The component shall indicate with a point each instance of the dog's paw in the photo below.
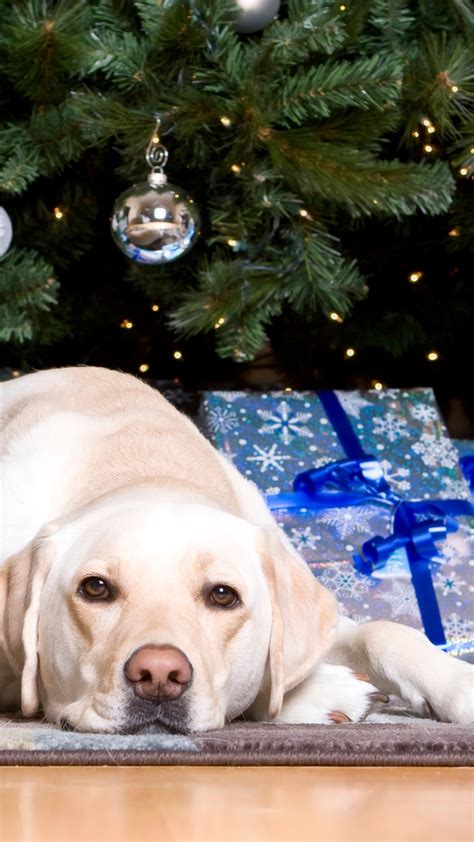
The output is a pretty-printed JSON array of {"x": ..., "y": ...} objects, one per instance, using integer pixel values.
[
  {"x": 456, "y": 702},
  {"x": 331, "y": 694}
]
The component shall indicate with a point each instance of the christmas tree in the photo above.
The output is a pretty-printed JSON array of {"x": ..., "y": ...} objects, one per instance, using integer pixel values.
[{"x": 329, "y": 152}]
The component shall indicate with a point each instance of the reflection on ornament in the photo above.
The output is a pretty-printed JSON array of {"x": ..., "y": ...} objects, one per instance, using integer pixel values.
[
  {"x": 6, "y": 232},
  {"x": 155, "y": 222},
  {"x": 255, "y": 14}
]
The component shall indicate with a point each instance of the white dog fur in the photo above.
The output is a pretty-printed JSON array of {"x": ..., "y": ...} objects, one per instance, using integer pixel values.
[{"x": 102, "y": 476}]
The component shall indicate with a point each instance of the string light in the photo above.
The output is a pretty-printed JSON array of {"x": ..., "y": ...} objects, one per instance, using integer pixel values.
[
  {"x": 378, "y": 386},
  {"x": 127, "y": 324},
  {"x": 463, "y": 171},
  {"x": 219, "y": 323},
  {"x": 235, "y": 168},
  {"x": 454, "y": 89},
  {"x": 427, "y": 147},
  {"x": 432, "y": 356},
  {"x": 431, "y": 129},
  {"x": 335, "y": 317},
  {"x": 288, "y": 389},
  {"x": 415, "y": 134},
  {"x": 415, "y": 277},
  {"x": 15, "y": 373},
  {"x": 426, "y": 122},
  {"x": 342, "y": 8},
  {"x": 472, "y": 150},
  {"x": 232, "y": 243},
  {"x": 178, "y": 355},
  {"x": 226, "y": 121},
  {"x": 454, "y": 232},
  {"x": 155, "y": 307},
  {"x": 350, "y": 352},
  {"x": 303, "y": 212},
  {"x": 58, "y": 213},
  {"x": 143, "y": 367}
]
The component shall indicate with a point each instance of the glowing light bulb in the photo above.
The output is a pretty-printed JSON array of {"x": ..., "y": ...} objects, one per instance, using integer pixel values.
[
  {"x": 143, "y": 367},
  {"x": 58, "y": 213},
  {"x": 415, "y": 277},
  {"x": 415, "y": 134},
  {"x": 155, "y": 307},
  {"x": 226, "y": 121},
  {"x": 454, "y": 89},
  {"x": 350, "y": 352},
  {"x": 235, "y": 168},
  {"x": 178, "y": 355},
  {"x": 454, "y": 232},
  {"x": 463, "y": 171},
  {"x": 335, "y": 317},
  {"x": 427, "y": 147},
  {"x": 378, "y": 386},
  {"x": 302, "y": 212},
  {"x": 342, "y": 8},
  {"x": 127, "y": 324},
  {"x": 232, "y": 243},
  {"x": 426, "y": 121},
  {"x": 288, "y": 389},
  {"x": 432, "y": 356},
  {"x": 15, "y": 373},
  {"x": 431, "y": 129}
]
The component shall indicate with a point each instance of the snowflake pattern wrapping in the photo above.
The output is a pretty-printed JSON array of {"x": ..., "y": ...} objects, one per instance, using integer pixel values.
[{"x": 272, "y": 437}]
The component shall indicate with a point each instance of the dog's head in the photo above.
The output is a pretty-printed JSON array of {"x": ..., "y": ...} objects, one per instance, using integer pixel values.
[{"x": 141, "y": 613}]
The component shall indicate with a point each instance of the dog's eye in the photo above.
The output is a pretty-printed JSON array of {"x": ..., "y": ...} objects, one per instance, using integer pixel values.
[
  {"x": 95, "y": 588},
  {"x": 223, "y": 596}
]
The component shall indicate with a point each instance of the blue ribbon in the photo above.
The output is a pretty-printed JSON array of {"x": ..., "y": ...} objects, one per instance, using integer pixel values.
[
  {"x": 416, "y": 525},
  {"x": 467, "y": 467}
]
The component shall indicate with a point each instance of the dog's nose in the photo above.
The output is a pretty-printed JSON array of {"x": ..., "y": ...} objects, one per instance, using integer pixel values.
[{"x": 158, "y": 673}]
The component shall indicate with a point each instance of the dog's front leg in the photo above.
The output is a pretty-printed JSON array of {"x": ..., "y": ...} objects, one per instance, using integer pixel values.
[{"x": 400, "y": 660}]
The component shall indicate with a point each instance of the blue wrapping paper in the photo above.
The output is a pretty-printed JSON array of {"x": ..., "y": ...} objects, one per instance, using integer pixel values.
[{"x": 272, "y": 437}]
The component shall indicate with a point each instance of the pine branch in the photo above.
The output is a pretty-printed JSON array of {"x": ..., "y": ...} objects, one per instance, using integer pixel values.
[
  {"x": 311, "y": 27},
  {"x": 367, "y": 84},
  {"x": 27, "y": 288},
  {"x": 321, "y": 278},
  {"x": 353, "y": 178},
  {"x": 439, "y": 84},
  {"x": 44, "y": 46}
]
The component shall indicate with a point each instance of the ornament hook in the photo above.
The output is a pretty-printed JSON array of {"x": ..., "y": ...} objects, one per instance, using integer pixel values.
[{"x": 156, "y": 156}]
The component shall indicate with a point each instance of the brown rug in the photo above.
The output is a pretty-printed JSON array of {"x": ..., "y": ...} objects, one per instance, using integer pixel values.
[{"x": 421, "y": 742}]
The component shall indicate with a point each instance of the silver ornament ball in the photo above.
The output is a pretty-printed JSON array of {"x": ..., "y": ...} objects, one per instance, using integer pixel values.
[
  {"x": 6, "y": 232},
  {"x": 255, "y": 14},
  {"x": 155, "y": 222}
]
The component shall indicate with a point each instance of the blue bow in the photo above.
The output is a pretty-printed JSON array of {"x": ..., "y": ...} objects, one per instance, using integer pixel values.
[
  {"x": 348, "y": 482},
  {"x": 416, "y": 527}
]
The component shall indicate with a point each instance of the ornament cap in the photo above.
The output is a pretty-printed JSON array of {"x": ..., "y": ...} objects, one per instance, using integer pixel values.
[{"x": 156, "y": 179}]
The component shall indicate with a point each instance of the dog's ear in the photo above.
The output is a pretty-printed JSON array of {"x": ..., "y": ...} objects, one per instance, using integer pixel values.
[
  {"x": 304, "y": 617},
  {"x": 21, "y": 584}
]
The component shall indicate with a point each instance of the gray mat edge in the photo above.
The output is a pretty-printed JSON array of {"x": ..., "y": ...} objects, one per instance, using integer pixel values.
[{"x": 437, "y": 757}]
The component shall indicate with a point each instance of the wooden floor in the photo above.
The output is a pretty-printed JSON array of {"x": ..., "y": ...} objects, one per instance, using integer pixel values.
[{"x": 215, "y": 804}]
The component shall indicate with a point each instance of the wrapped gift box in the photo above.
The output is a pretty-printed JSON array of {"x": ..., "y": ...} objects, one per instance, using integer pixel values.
[{"x": 272, "y": 437}]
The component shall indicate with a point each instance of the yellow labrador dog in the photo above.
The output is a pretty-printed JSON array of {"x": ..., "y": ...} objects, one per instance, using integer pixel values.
[{"x": 144, "y": 583}]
